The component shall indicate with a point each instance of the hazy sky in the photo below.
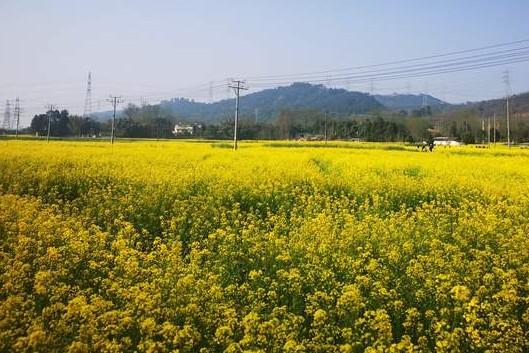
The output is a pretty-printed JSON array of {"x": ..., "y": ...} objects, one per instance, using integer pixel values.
[{"x": 163, "y": 48}]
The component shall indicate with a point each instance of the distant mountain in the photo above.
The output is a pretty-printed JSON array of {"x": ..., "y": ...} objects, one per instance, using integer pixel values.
[
  {"x": 268, "y": 103},
  {"x": 519, "y": 103},
  {"x": 410, "y": 101},
  {"x": 265, "y": 105}
]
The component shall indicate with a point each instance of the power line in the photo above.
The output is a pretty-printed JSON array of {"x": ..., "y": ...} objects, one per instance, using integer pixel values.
[
  {"x": 363, "y": 80},
  {"x": 420, "y": 75},
  {"x": 505, "y": 44},
  {"x": 505, "y": 54},
  {"x": 426, "y": 66},
  {"x": 418, "y": 71},
  {"x": 397, "y": 73}
]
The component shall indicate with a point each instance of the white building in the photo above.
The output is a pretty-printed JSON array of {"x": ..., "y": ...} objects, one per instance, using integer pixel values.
[
  {"x": 180, "y": 129},
  {"x": 445, "y": 141}
]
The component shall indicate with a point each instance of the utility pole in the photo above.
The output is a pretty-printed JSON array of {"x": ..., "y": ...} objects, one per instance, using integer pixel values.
[
  {"x": 237, "y": 85},
  {"x": 481, "y": 110},
  {"x": 325, "y": 127},
  {"x": 17, "y": 116},
  {"x": 508, "y": 125},
  {"x": 50, "y": 111},
  {"x": 494, "y": 123},
  {"x": 482, "y": 130},
  {"x": 507, "y": 81},
  {"x": 488, "y": 130},
  {"x": 114, "y": 100}
]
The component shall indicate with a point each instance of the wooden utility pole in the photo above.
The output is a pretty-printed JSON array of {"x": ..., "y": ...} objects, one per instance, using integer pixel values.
[
  {"x": 488, "y": 130},
  {"x": 494, "y": 123},
  {"x": 482, "y": 131},
  {"x": 508, "y": 125},
  {"x": 507, "y": 81},
  {"x": 115, "y": 100},
  {"x": 237, "y": 85},
  {"x": 325, "y": 127}
]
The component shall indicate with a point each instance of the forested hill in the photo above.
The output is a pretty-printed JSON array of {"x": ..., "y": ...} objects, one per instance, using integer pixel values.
[
  {"x": 519, "y": 104},
  {"x": 410, "y": 101},
  {"x": 268, "y": 103}
]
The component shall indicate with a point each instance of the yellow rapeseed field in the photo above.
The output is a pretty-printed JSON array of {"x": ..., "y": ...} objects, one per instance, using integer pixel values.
[{"x": 188, "y": 246}]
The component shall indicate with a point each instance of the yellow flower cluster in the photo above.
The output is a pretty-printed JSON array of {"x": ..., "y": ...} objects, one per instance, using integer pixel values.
[{"x": 191, "y": 247}]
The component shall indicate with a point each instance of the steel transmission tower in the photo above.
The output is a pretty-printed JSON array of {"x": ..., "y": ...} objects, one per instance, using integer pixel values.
[
  {"x": 16, "y": 117},
  {"x": 7, "y": 116},
  {"x": 88, "y": 98},
  {"x": 51, "y": 108},
  {"x": 425, "y": 95}
]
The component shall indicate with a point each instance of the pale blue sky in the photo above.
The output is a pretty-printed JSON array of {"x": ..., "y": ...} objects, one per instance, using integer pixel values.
[{"x": 158, "y": 48}]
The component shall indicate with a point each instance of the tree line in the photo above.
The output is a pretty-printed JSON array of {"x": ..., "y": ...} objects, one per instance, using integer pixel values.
[
  {"x": 147, "y": 122},
  {"x": 154, "y": 122},
  {"x": 62, "y": 124}
]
